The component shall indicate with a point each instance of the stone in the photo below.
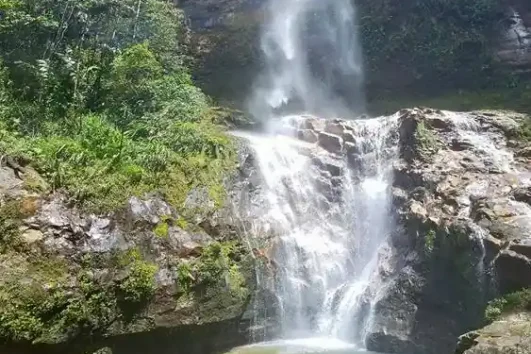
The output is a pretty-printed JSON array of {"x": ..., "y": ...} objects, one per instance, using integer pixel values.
[
  {"x": 509, "y": 335},
  {"x": 147, "y": 211},
  {"x": 334, "y": 128},
  {"x": 187, "y": 244},
  {"x": 523, "y": 195},
  {"x": 325, "y": 163},
  {"x": 349, "y": 137},
  {"x": 308, "y": 135},
  {"x": 352, "y": 148},
  {"x": 31, "y": 236},
  {"x": 331, "y": 143},
  {"x": 10, "y": 185},
  {"x": 513, "y": 271}
]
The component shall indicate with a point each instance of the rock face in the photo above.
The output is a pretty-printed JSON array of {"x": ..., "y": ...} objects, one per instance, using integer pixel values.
[
  {"x": 141, "y": 277},
  {"x": 511, "y": 335},
  {"x": 463, "y": 231},
  {"x": 228, "y": 66},
  {"x": 515, "y": 40},
  {"x": 461, "y": 228},
  {"x": 147, "y": 275}
]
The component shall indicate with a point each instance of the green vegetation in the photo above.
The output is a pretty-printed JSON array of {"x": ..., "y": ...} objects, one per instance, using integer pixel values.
[
  {"x": 162, "y": 229},
  {"x": 95, "y": 94},
  {"x": 524, "y": 133},
  {"x": 429, "y": 242},
  {"x": 10, "y": 215},
  {"x": 217, "y": 267},
  {"x": 517, "y": 99},
  {"x": 429, "y": 41},
  {"x": 46, "y": 310},
  {"x": 515, "y": 302},
  {"x": 139, "y": 286},
  {"x": 427, "y": 142}
]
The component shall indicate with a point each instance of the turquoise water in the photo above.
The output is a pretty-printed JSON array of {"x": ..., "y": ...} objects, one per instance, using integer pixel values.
[{"x": 301, "y": 346}]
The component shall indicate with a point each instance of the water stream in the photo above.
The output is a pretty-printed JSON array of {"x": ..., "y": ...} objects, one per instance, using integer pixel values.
[{"x": 328, "y": 211}]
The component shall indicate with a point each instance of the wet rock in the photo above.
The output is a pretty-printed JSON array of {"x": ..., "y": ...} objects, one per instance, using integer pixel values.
[
  {"x": 331, "y": 143},
  {"x": 513, "y": 270},
  {"x": 334, "y": 128},
  {"x": 523, "y": 248},
  {"x": 349, "y": 137},
  {"x": 510, "y": 335},
  {"x": 325, "y": 163},
  {"x": 308, "y": 135},
  {"x": 352, "y": 149},
  {"x": 523, "y": 195}
]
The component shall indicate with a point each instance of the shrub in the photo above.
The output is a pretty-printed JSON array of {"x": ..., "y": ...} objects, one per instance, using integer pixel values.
[{"x": 518, "y": 301}]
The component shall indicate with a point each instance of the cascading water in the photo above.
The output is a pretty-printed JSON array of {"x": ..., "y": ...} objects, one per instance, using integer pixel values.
[
  {"x": 330, "y": 215},
  {"x": 327, "y": 207},
  {"x": 312, "y": 58}
]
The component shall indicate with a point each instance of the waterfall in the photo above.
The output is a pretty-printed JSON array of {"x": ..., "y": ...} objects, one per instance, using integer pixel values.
[
  {"x": 325, "y": 191},
  {"x": 329, "y": 214},
  {"x": 312, "y": 58}
]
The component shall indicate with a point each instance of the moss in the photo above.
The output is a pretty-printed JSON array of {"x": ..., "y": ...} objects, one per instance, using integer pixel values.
[
  {"x": 427, "y": 142},
  {"x": 429, "y": 242},
  {"x": 182, "y": 223},
  {"x": 162, "y": 229},
  {"x": 524, "y": 132},
  {"x": 50, "y": 309},
  {"x": 11, "y": 217},
  {"x": 219, "y": 266},
  {"x": 511, "y": 303}
]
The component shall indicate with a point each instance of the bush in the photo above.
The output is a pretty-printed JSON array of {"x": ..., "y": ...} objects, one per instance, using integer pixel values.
[
  {"x": 110, "y": 111},
  {"x": 515, "y": 302}
]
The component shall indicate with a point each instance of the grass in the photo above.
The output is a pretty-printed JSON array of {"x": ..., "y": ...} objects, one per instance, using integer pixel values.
[
  {"x": 101, "y": 166},
  {"x": 511, "y": 303}
]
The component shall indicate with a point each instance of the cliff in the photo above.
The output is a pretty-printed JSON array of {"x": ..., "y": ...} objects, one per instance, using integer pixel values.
[{"x": 426, "y": 48}]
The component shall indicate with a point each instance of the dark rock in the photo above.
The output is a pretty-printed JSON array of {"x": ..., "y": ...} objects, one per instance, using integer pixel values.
[
  {"x": 331, "y": 143},
  {"x": 513, "y": 271},
  {"x": 523, "y": 195},
  {"x": 522, "y": 248},
  {"x": 348, "y": 137}
]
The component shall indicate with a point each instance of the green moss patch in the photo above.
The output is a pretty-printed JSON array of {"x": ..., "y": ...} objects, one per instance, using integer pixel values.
[{"x": 50, "y": 300}]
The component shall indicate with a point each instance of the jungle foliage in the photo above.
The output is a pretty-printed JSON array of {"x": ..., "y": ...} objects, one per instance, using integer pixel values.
[{"x": 96, "y": 95}]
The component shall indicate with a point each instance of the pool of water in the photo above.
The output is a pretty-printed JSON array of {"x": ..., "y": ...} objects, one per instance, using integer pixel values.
[{"x": 301, "y": 346}]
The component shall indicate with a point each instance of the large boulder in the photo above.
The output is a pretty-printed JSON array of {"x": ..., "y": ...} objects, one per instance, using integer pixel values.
[
  {"x": 510, "y": 335},
  {"x": 72, "y": 281},
  {"x": 463, "y": 225}
]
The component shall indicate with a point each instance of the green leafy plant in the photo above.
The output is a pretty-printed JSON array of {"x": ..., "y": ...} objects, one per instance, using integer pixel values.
[{"x": 514, "y": 302}]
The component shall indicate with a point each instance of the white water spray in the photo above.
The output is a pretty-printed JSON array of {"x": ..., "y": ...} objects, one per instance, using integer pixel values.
[
  {"x": 330, "y": 214},
  {"x": 328, "y": 211},
  {"x": 313, "y": 60}
]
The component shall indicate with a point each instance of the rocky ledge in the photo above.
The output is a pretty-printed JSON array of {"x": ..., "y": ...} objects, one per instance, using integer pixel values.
[
  {"x": 142, "y": 276},
  {"x": 461, "y": 195}
]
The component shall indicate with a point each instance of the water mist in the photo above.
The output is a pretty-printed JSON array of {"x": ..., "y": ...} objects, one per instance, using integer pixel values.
[
  {"x": 313, "y": 60},
  {"x": 328, "y": 211}
]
